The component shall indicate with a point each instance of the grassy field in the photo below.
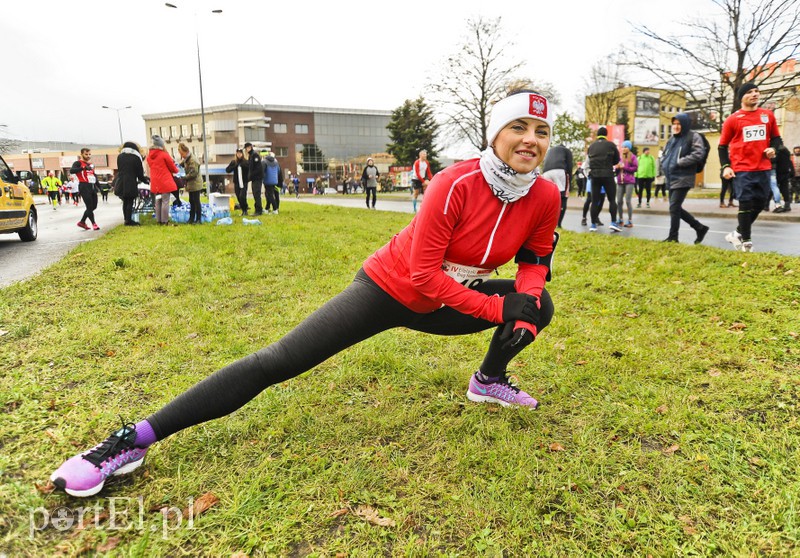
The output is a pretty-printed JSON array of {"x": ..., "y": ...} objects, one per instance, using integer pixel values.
[{"x": 669, "y": 382}]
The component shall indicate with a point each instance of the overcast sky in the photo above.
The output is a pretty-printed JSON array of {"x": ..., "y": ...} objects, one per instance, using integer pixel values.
[{"x": 66, "y": 59}]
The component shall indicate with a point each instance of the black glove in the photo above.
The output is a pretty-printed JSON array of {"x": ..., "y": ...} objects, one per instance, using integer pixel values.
[
  {"x": 520, "y": 306},
  {"x": 515, "y": 338}
]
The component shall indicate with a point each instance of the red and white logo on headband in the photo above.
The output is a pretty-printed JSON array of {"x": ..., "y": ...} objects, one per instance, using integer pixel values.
[{"x": 537, "y": 106}]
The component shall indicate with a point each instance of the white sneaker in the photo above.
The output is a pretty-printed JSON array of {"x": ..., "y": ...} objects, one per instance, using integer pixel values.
[
  {"x": 747, "y": 246},
  {"x": 736, "y": 239},
  {"x": 276, "y": 212}
]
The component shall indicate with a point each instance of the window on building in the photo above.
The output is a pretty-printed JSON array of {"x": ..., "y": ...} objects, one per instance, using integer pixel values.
[
  {"x": 255, "y": 134},
  {"x": 279, "y": 128},
  {"x": 184, "y": 130},
  {"x": 173, "y": 132},
  {"x": 281, "y": 151},
  {"x": 663, "y": 131},
  {"x": 301, "y": 128},
  {"x": 196, "y": 130},
  {"x": 164, "y": 132},
  {"x": 153, "y": 131}
]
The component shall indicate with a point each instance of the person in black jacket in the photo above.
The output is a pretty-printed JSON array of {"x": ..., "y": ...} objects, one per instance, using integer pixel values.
[
  {"x": 240, "y": 170},
  {"x": 130, "y": 173},
  {"x": 557, "y": 168},
  {"x": 580, "y": 180},
  {"x": 784, "y": 171},
  {"x": 256, "y": 176},
  {"x": 679, "y": 161},
  {"x": 603, "y": 156}
]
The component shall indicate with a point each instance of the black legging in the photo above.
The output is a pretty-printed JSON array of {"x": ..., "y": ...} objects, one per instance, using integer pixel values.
[
  {"x": 727, "y": 187},
  {"x": 273, "y": 197},
  {"x": 597, "y": 198},
  {"x": 361, "y": 311},
  {"x": 89, "y": 197},
  {"x": 564, "y": 200},
  {"x": 662, "y": 187},
  {"x": 127, "y": 209},
  {"x": 194, "y": 206},
  {"x": 645, "y": 184},
  {"x": 374, "y": 191}
]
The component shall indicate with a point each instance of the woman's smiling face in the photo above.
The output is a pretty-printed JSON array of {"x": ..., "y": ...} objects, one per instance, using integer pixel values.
[{"x": 522, "y": 144}]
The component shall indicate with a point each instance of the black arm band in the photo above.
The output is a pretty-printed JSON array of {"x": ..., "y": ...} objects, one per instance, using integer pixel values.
[
  {"x": 724, "y": 158},
  {"x": 527, "y": 256},
  {"x": 776, "y": 142}
]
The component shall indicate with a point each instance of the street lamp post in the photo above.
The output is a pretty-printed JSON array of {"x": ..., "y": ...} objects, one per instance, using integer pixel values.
[
  {"x": 119, "y": 122},
  {"x": 202, "y": 106}
]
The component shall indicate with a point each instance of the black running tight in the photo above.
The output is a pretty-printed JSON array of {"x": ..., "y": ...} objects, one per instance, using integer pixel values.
[
  {"x": 361, "y": 311},
  {"x": 371, "y": 191},
  {"x": 597, "y": 198},
  {"x": 89, "y": 197}
]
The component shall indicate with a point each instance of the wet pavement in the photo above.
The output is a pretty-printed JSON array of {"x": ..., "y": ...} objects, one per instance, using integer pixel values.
[{"x": 772, "y": 232}]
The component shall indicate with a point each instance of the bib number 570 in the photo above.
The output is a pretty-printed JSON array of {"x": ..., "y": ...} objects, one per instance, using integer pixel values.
[{"x": 754, "y": 133}]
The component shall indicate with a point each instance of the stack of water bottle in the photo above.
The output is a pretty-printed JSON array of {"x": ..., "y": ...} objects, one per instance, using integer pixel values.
[{"x": 180, "y": 213}]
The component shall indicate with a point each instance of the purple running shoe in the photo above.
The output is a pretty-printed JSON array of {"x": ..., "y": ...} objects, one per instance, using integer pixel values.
[
  {"x": 502, "y": 392},
  {"x": 85, "y": 474}
]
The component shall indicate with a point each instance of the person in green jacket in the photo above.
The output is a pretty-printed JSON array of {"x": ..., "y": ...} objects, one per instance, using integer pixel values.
[
  {"x": 194, "y": 183},
  {"x": 52, "y": 183},
  {"x": 645, "y": 174}
]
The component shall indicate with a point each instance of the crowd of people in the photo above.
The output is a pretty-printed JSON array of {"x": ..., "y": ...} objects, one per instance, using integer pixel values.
[{"x": 756, "y": 169}]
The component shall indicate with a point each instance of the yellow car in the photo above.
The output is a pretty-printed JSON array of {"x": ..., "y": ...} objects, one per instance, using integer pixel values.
[{"x": 17, "y": 210}]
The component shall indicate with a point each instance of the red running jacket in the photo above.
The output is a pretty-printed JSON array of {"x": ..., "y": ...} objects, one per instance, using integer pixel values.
[{"x": 462, "y": 222}]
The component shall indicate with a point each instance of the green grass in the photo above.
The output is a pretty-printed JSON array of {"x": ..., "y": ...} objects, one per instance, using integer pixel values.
[{"x": 669, "y": 376}]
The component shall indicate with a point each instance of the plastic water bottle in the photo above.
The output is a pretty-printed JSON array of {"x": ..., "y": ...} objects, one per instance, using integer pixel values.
[
  {"x": 225, "y": 221},
  {"x": 251, "y": 222}
]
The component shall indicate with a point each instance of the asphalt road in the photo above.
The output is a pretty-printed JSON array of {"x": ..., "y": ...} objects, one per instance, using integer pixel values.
[
  {"x": 58, "y": 234},
  {"x": 771, "y": 233}
]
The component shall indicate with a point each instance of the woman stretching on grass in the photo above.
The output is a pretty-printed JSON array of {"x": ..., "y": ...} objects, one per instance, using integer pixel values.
[{"x": 434, "y": 276}]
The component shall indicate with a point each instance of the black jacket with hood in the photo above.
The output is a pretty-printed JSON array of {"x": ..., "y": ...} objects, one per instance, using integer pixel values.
[
  {"x": 682, "y": 154},
  {"x": 603, "y": 155}
]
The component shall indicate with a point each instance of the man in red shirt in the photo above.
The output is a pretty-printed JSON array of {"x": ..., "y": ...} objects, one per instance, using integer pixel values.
[{"x": 748, "y": 142}]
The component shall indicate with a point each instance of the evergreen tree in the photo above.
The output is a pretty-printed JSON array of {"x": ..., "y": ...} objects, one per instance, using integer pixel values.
[
  {"x": 411, "y": 128},
  {"x": 572, "y": 133}
]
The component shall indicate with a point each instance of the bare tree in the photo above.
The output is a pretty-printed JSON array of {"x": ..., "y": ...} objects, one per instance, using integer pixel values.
[
  {"x": 746, "y": 40},
  {"x": 472, "y": 80},
  {"x": 542, "y": 87},
  {"x": 7, "y": 145},
  {"x": 602, "y": 90}
]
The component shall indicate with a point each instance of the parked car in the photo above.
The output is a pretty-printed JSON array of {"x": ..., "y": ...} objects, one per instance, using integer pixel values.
[{"x": 17, "y": 210}]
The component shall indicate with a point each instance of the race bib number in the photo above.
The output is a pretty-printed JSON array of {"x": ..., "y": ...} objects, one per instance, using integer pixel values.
[
  {"x": 757, "y": 132},
  {"x": 92, "y": 179},
  {"x": 468, "y": 276}
]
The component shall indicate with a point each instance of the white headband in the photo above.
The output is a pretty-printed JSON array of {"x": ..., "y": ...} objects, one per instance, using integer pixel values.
[{"x": 521, "y": 105}]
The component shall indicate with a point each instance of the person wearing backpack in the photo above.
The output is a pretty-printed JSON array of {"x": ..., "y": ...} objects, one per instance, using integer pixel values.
[
  {"x": 273, "y": 178},
  {"x": 684, "y": 151}
]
